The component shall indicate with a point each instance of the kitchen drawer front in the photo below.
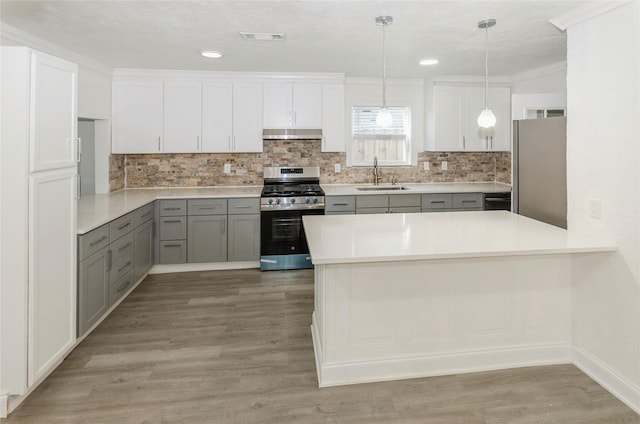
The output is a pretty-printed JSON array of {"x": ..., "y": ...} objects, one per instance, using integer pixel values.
[
  {"x": 339, "y": 204},
  {"x": 377, "y": 201},
  {"x": 117, "y": 290},
  {"x": 143, "y": 214},
  {"x": 121, "y": 226},
  {"x": 173, "y": 207},
  {"x": 372, "y": 210},
  {"x": 468, "y": 201},
  {"x": 405, "y": 209},
  {"x": 122, "y": 265},
  {"x": 173, "y": 252},
  {"x": 93, "y": 241},
  {"x": 437, "y": 201},
  {"x": 244, "y": 206},
  {"x": 121, "y": 247},
  {"x": 404, "y": 200},
  {"x": 173, "y": 228},
  {"x": 207, "y": 206}
]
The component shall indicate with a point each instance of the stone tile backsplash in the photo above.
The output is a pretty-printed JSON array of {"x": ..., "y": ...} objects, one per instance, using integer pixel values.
[{"x": 205, "y": 169}]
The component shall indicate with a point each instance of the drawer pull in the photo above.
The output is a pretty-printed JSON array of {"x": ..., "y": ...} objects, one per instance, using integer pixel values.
[
  {"x": 122, "y": 227},
  {"x": 172, "y": 209},
  {"x": 123, "y": 287},
  {"x": 243, "y": 207},
  {"x": 436, "y": 202},
  {"x": 340, "y": 204},
  {"x": 124, "y": 266},
  {"x": 100, "y": 240},
  {"x": 172, "y": 245},
  {"x": 125, "y": 246},
  {"x": 204, "y": 207},
  {"x": 145, "y": 214},
  {"x": 172, "y": 221},
  {"x": 469, "y": 201}
]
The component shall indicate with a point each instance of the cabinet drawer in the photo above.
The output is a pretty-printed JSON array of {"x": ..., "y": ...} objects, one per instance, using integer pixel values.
[
  {"x": 173, "y": 252},
  {"x": 121, "y": 226},
  {"x": 117, "y": 290},
  {"x": 404, "y": 200},
  {"x": 405, "y": 209},
  {"x": 121, "y": 247},
  {"x": 93, "y": 241},
  {"x": 122, "y": 265},
  {"x": 372, "y": 201},
  {"x": 173, "y": 228},
  {"x": 437, "y": 201},
  {"x": 143, "y": 214},
  {"x": 207, "y": 206},
  {"x": 244, "y": 206},
  {"x": 468, "y": 201},
  {"x": 173, "y": 207},
  {"x": 372, "y": 210},
  {"x": 340, "y": 204}
]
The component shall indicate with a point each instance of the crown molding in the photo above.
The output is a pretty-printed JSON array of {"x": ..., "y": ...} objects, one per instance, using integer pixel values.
[
  {"x": 585, "y": 12},
  {"x": 11, "y": 35},
  {"x": 541, "y": 71},
  {"x": 378, "y": 81},
  {"x": 168, "y": 74}
]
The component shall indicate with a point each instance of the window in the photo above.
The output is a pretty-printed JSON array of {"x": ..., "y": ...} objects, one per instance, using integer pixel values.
[{"x": 392, "y": 146}]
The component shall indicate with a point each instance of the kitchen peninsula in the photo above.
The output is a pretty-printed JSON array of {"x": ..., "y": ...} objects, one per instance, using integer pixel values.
[{"x": 413, "y": 295}]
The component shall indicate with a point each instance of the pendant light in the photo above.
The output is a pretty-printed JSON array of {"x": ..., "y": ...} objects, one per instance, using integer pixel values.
[
  {"x": 384, "y": 118},
  {"x": 486, "y": 119}
]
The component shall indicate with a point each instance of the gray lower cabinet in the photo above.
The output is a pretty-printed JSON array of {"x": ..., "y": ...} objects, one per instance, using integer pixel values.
[
  {"x": 339, "y": 205},
  {"x": 172, "y": 224},
  {"x": 244, "y": 237},
  {"x": 93, "y": 289},
  {"x": 143, "y": 249},
  {"x": 447, "y": 202},
  {"x": 207, "y": 238},
  {"x": 468, "y": 201},
  {"x": 392, "y": 203}
]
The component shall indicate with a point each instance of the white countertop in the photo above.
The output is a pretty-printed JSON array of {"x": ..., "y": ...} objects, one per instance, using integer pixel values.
[
  {"x": 335, "y": 239},
  {"x": 352, "y": 189},
  {"x": 98, "y": 209}
]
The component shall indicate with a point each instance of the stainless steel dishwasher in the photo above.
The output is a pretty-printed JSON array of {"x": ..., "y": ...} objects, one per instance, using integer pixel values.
[{"x": 497, "y": 201}]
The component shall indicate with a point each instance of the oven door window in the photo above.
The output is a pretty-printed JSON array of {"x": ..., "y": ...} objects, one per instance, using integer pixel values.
[{"x": 282, "y": 232}]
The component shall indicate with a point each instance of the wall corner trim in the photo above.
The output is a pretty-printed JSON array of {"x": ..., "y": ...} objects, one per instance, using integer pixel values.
[{"x": 584, "y": 13}]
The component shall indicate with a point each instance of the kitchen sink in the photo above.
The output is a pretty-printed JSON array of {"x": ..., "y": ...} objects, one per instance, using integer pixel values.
[{"x": 384, "y": 188}]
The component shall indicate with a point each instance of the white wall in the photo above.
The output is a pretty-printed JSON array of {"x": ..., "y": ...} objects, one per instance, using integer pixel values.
[
  {"x": 603, "y": 156},
  {"x": 544, "y": 87},
  {"x": 368, "y": 91}
]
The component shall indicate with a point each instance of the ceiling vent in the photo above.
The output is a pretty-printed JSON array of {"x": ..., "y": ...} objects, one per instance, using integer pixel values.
[{"x": 263, "y": 36}]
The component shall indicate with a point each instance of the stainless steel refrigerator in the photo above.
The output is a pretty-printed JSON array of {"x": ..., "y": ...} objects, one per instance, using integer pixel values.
[{"x": 540, "y": 169}]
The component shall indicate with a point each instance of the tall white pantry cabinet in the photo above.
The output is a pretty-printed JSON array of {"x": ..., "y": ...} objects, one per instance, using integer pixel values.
[{"x": 38, "y": 169}]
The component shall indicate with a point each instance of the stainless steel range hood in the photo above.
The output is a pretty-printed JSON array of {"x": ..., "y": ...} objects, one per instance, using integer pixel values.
[{"x": 291, "y": 134}]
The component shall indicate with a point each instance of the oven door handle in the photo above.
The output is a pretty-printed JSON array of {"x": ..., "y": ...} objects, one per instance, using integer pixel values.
[{"x": 268, "y": 261}]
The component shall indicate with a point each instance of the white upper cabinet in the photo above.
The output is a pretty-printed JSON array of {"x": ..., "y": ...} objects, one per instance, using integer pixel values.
[
  {"x": 137, "y": 117},
  {"x": 292, "y": 105},
  {"x": 232, "y": 117},
  {"x": 53, "y": 111},
  {"x": 456, "y": 110},
  {"x": 333, "y": 118},
  {"x": 182, "y": 117}
]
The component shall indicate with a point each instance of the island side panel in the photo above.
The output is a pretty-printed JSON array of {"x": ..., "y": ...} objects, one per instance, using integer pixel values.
[{"x": 394, "y": 320}]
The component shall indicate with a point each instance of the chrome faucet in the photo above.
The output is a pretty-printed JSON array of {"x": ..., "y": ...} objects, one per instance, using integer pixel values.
[{"x": 376, "y": 177}]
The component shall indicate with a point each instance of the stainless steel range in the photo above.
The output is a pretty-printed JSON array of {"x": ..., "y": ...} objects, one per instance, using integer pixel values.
[{"x": 288, "y": 194}]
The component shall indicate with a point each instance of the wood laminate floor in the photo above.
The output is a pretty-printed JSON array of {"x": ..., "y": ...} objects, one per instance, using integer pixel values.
[{"x": 235, "y": 347}]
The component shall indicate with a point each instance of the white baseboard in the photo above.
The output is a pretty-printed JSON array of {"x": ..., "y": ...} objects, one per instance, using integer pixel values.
[
  {"x": 208, "y": 266},
  {"x": 618, "y": 386},
  {"x": 443, "y": 364}
]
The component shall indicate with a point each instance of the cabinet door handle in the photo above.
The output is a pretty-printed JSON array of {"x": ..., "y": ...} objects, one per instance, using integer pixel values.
[
  {"x": 100, "y": 240},
  {"x": 224, "y": 226},
  {"x": 198, "y": 143},
  {"x": 78, "y": 186},
  {"x": 122, "y": 227},
  {"x": 158, "y": 143},
  {"x": 78, "y": 148},
  {"x": 172, "y": 245},
  {"x": 234, "y": 143},
  {"x": 464, "y": 142},
  {"x": 229, "y": 143},
  {"x": 109, "y": 259}
]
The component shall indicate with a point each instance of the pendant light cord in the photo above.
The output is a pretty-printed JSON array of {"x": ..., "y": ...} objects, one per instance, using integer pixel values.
[
  {"x": 486, "y": 64},
  {"x": 384, "y": 66}
]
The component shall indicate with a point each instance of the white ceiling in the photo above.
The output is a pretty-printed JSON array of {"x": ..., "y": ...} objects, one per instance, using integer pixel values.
[{"x": 321, "y": 36}]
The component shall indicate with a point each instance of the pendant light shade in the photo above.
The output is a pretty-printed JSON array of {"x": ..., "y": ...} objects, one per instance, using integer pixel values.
[
  {"x": 384, "y": 118},
  {"x": 486, "y": 119}
]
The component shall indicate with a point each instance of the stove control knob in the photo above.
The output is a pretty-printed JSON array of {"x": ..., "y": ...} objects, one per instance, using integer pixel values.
[
  {"x": 270, "y": 201},
  {"x": 293, "y": 200},
  {"x": 315, "y": 200},
  {"x": 307, "y": 200},
  {"x": 277, "y": 201}
]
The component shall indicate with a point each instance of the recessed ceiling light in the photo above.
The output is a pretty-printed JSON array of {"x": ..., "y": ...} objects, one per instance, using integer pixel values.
[
  {"x": 263, "y": 36},
  {"x": 211, "y": 54},
  {"x": 427, "y": 62}
]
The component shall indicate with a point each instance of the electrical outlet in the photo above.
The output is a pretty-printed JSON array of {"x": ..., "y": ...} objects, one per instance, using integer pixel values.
[
  {"x": 425, "y": 165},
  {"x": 595, "y": 208},
  {"x": 227, "y": 168},
  {"x": 337, "y": 168},
  {"x": 444, "y": 165}
]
